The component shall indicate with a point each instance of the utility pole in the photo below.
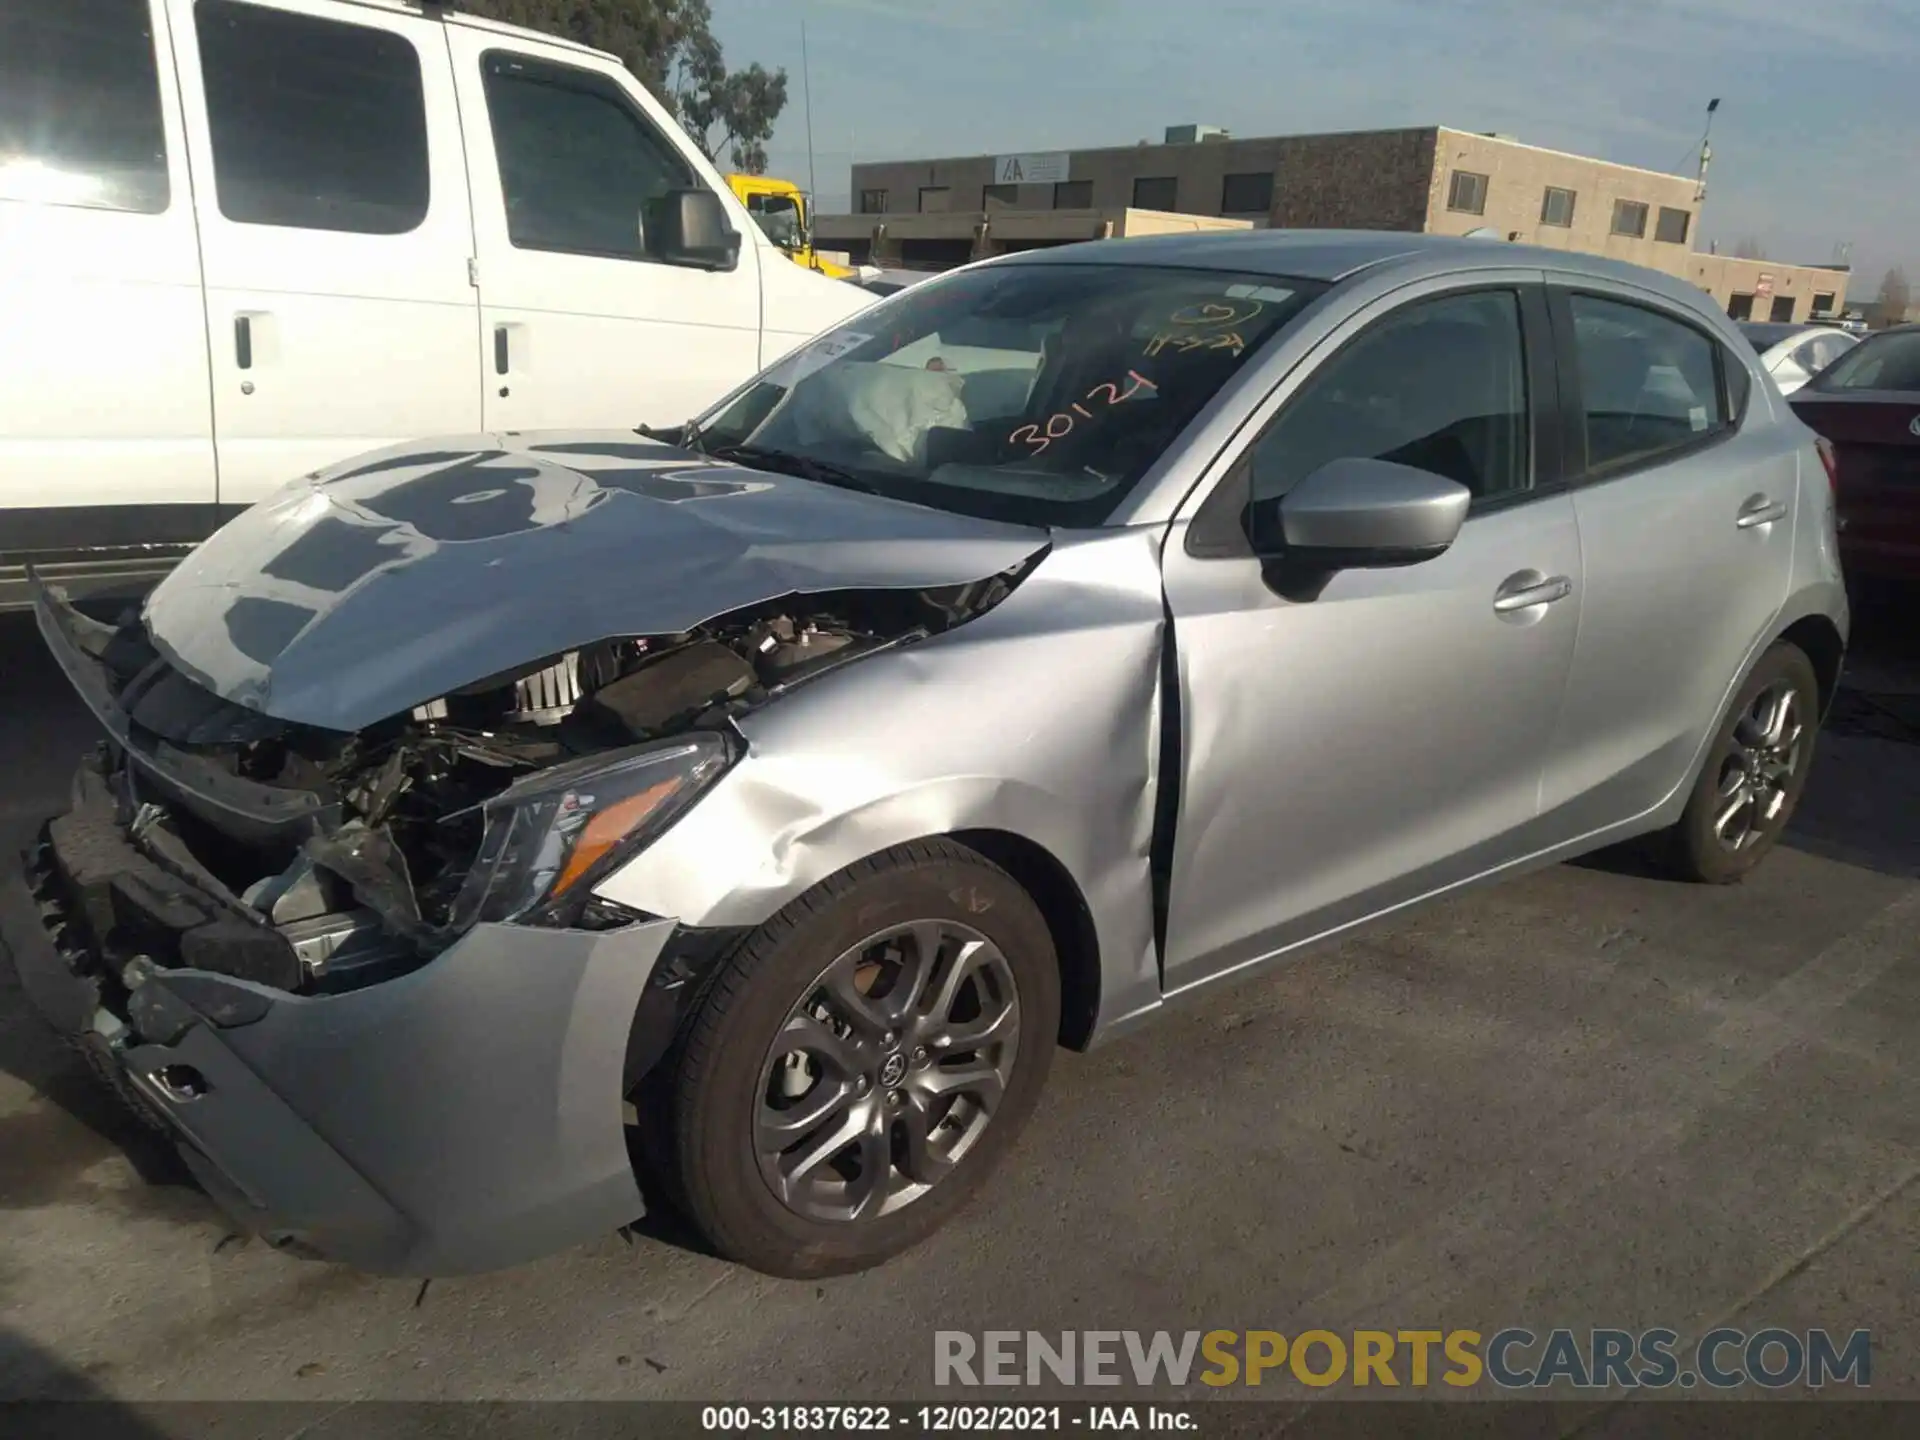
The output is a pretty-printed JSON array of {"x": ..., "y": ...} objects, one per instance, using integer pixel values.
[
  {"x": 806, "y": 91},
  {"x": 1706, "y": 153}
]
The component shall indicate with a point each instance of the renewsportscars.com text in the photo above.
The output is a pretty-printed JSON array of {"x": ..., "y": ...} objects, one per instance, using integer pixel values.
[{"x": 1511, "y": 1359}]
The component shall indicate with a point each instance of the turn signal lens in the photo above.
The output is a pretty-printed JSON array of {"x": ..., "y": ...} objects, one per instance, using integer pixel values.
[{"x": 608, "y": 828}]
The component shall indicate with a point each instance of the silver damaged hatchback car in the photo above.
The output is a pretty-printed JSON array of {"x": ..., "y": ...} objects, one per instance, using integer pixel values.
[{"x": 493, "y": 832}]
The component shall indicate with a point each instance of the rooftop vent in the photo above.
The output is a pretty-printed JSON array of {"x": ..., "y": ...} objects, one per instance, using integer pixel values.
[{"x": 1194, "y": 134}]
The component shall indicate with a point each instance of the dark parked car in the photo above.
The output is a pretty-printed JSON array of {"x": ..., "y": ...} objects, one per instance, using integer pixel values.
[{"x": 1866, "y": 409}]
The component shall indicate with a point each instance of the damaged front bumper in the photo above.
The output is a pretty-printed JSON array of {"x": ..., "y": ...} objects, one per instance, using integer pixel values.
[{"x": 464, "y": 1117}]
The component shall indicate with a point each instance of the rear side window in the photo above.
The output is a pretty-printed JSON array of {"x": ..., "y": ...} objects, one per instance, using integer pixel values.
[
  {"x": 1440, "y": 385},
  {"x": 1886, "y": 362},
  {"x": 1649, "y": 382},
  {"x": 317, "y": 124},
  {"x": 578, "y": 167},
  {"x": 80, "y": 105}
]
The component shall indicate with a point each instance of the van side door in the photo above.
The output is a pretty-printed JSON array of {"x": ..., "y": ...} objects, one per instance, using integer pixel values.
[
  {"x": 581, "y": 325},
  {"x": 106, "y": 442},
  {"x": 333, "y": 214}
]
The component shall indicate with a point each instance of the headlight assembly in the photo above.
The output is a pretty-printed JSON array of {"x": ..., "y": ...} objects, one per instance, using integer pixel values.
[{"x": 552, "y": 836}]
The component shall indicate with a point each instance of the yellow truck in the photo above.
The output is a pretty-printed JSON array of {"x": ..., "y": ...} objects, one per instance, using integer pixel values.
[{"x": 779, "y": 208}]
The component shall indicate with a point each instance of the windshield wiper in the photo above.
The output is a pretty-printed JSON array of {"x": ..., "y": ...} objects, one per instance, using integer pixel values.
[
  {"x": 787, "y": 463},
  {"x": 681, "y": 437}
]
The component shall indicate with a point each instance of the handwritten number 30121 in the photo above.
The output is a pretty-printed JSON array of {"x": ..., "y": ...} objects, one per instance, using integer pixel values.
[{"x": 1038, "y": 436}]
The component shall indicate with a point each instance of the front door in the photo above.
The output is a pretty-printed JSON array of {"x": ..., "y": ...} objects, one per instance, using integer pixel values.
[
  {"x": 1348, "y": 752},
  {"x": 332, "y": 201},
  {"x": 581, "y": 326}
]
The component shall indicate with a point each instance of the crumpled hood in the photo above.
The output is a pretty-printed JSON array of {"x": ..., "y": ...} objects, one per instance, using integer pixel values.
[{"x": 385, "y": 582}]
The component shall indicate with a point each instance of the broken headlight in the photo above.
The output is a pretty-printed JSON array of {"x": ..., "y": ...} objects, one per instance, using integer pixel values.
[{"x": 551, "y": 837}]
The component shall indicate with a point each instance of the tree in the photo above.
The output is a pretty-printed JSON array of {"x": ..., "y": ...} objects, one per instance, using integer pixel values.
[
  {"x": 1749, "y": 250},
  {"x": 669, "y": 46},
  {"x": 1895, "y": 297}
]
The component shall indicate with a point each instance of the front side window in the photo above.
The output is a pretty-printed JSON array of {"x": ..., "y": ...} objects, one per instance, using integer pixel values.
[
  {"x": 1649, "y": 383},
  {"x": 80, "y": 106},
  {"x": 1467, "y": 193},
  {"x": 316, "y": 124},
  {"x": 579, "y": 169},
  {"x": 1039, "y": 393},
  {"x": 1886, "y": 362},
  {"x": 778, "y": 217},
  {"x": 1629, "y": 218},
  {"x": 1439, "y": 385}
]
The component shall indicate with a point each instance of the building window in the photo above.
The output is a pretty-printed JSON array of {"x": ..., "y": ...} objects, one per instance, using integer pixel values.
[
  {"x": 316, "y": 124},
  {"x": 933, "y": 199},
  {"x": 1250, "y": 194},
  {"x": 999, "y": 197},
  {"x": 1630, "y": 218},
  {"x": 1073, "y": 195},
  {"x": 1672, "y": 228},
  {"x": 1467, "y": 193},
  {"x": 873, "y": 202},
  {"x": 1823, "y": 302},
  {"x": 1782, "y": 309},
  {"x": 80, "y": 107},
  {"x": 1557, "y": 207},
  {"x": 1156, "y": 192},
  {"x": 1740, "y": 307}
]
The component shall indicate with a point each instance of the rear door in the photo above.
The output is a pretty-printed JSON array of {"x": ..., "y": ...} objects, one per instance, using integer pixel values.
[
  {"x": 582, "y": 327},
  {"x": 1686, "y": 510},
  {"x": 333, "y": 212},
  {"x": 105, "y": 433}
]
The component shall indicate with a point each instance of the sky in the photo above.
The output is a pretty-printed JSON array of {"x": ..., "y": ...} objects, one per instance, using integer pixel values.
[{"x": 1816, "y": 143}]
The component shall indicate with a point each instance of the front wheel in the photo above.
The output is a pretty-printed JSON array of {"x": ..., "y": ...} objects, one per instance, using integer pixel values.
[
  {"x": 863, "y": 1061},
  {"x": 1755, "y": 772}
]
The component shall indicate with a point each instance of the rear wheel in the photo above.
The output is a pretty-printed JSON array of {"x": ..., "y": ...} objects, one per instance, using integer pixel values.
[
  {"x": 863, "y": 1061},
  {"x": 1754, "y": 775}
]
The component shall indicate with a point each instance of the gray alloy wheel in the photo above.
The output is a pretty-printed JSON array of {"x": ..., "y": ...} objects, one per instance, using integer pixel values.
[
  {"x": 855, "y": 1070},
  {"x": 1756, "y": 768},
  {"x": 887, "y": 1071}
]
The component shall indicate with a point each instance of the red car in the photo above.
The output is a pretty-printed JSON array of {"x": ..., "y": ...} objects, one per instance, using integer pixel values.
[{"x": 1866, "y": 409}]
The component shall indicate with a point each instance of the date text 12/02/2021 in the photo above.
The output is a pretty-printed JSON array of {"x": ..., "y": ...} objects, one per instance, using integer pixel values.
[{"x": 943, "y": 1419}]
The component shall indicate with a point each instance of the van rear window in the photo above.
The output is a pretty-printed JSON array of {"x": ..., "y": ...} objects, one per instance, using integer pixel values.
[{"x": 80, "y": 106}]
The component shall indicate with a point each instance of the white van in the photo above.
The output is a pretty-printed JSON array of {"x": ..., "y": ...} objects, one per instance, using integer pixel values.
[{"x": 243, "y": 239}]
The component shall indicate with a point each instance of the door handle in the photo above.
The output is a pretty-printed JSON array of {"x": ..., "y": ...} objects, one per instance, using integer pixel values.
[
  {"x": 243, "y": 341},
  {"x": 1522, "y": 592},
  {"x": 502, "y": 360},
  {"x": 1760, "y": 511}
]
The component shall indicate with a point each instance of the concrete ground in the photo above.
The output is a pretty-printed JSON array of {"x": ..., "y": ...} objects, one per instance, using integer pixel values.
[{"x": 1585, "y": 1098}]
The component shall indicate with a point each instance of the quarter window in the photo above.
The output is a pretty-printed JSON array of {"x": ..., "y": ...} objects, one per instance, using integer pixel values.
[
  {"x": 1467, "y": 193},
  {"x": 1440, "y": 385},
  {"x": 579, "y": 169},
  {"x": 80, "y": 106},
  {"x": 316, "y": 124},
  {"x": 1556, "y": 208},
  {"x": 1649, "y": 383},
  {"x": 1630, "y": 218}
]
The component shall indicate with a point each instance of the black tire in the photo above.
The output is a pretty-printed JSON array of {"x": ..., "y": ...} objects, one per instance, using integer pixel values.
[
  {"x": 1693, "y": 849},
  {"x": 719, "y": 1074}
]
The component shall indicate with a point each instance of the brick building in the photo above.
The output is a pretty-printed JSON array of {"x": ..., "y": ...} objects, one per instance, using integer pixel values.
[{"x": 1447, "y": 182}]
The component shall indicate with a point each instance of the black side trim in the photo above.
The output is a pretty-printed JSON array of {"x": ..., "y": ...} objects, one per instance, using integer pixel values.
[{"x": 1166, "y": 799}]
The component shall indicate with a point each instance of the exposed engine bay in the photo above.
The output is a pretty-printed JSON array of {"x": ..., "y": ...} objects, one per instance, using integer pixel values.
[{"x": 406, "y": 831}]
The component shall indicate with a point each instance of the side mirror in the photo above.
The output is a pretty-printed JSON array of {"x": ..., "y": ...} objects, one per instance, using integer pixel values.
[
  {"x": 690, "y": 227},
  {"x": 1360, "y": 514}
]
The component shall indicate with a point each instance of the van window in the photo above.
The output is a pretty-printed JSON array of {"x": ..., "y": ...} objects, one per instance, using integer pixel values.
[
  {"x": 80, "y": 106},
  {"x": 578, "y": 165},
  {"x": 317, "y": 124}
]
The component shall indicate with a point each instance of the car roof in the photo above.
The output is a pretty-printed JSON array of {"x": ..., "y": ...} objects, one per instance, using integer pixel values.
[{"x": 1334, "y": 255}]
